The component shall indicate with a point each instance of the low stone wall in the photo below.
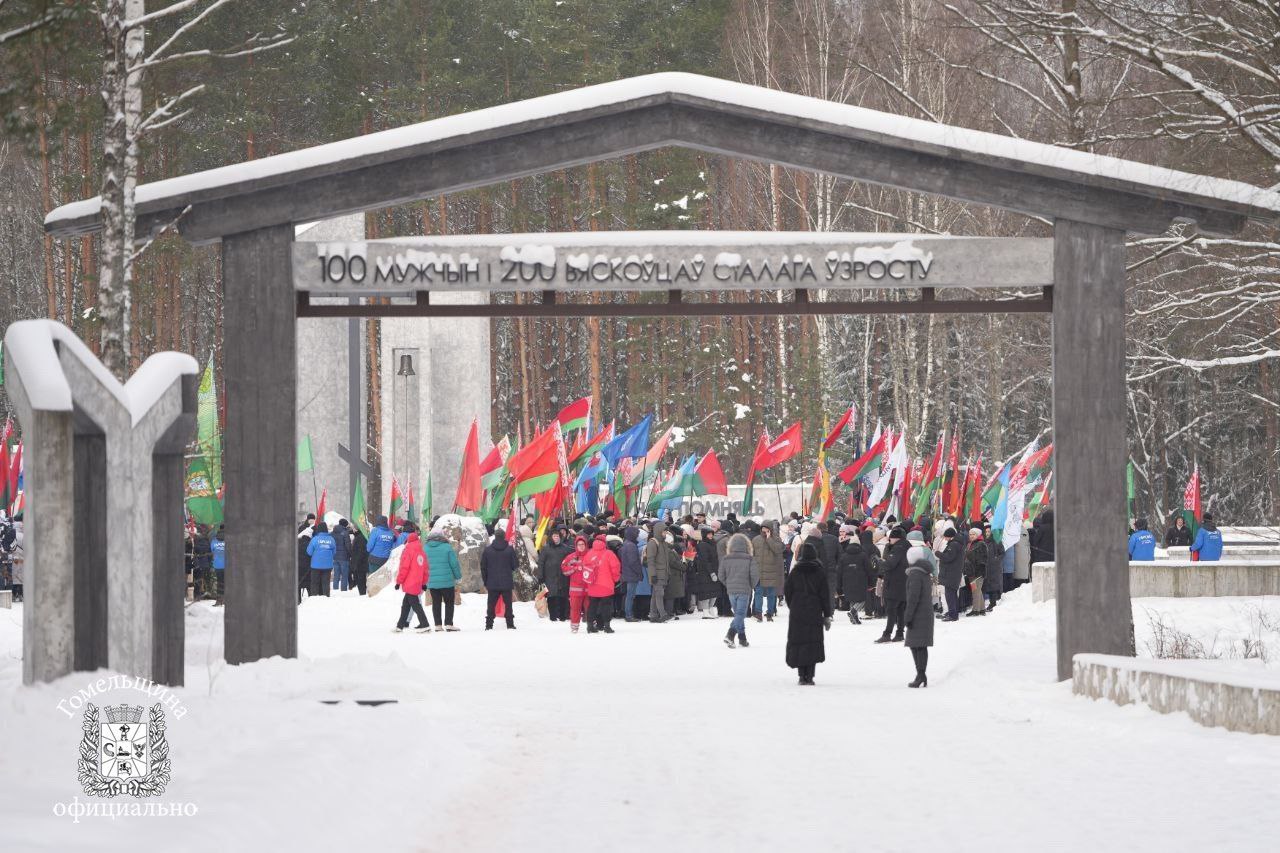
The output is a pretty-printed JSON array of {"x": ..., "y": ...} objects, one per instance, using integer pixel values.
[
  {"x": 1207, "y": 691},
  {"x": 1180, "y": 579},
  {"x": 1182, "y": 553}
]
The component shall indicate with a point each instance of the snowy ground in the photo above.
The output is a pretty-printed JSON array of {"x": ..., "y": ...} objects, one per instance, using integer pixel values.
[{"x": 657, "y": 737}]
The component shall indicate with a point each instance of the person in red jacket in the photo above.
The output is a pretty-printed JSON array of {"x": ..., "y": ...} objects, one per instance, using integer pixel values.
[
  {"x": 412, "y": 577},
  {"x": 601, "y": 572},
  {"x": 573, "y": 566}
]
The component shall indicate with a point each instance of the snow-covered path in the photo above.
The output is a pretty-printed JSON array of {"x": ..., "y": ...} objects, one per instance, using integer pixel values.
[{"x": 657, "y": 737}]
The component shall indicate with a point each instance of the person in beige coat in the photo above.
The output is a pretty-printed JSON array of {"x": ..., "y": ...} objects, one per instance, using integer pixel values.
[{"x": 768, "y": 553}]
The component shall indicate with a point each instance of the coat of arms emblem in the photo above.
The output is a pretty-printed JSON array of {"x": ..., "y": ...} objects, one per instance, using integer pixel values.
[{"x": 124, "y": 754}]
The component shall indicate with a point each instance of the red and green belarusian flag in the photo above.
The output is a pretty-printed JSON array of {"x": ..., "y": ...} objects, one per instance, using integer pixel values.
[
  {"x": 576, "y": 415},
  {"x": 708, "y": 477},
  {"x": 493, "y": 468},
  {"x": 320, "y": 510},
  {"x": 621, "y": 491},
  {"x": 396, "y": 501},
  {"x": 1036, "y": 466},
  {"x": 537, "y": 466},
  {"x": 648, "y": 469},
  {"x": 991, "y": 494},
  {"x": 585, "y": 446},
  {"x": 930, "y": 480},
  {"x": 973, "y": 495},
  {"x": 1040, "y": 498},
  {"x": 470, "y": 494},
  {"x": 5, "y": 495},
  {"x": 1192, "y": 509},
  {"x": 953, "y": 491},
  {"x": 411, "y": 507},
  {"x": 905, "y": 489},
  {"x": 748, "y": 494},
  {"x": 769, "y": 453},
  {"x": 834, "y": 434},
  {"x": 868, "y": 464}
]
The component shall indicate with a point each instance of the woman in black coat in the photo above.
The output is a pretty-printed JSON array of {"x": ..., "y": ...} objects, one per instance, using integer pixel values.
[
  {"x": 703, "y": 585},
  {"x": 809, "y": 600},
  {"x": 993, "y": 577},
  {"x": 1178, "y": 534},
  {"x": 359, "y": 560},
  {"x": 855, "y": 570},
  {"x": 919, "y": 615}
]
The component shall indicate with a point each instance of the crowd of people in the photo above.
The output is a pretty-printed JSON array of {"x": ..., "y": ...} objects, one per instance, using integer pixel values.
[
  {"x": 907, "y": 572},
  {"x": 658, "y": 570},
  {"x": 12, "y": 558},
  {"x": 594, "y": 569}
]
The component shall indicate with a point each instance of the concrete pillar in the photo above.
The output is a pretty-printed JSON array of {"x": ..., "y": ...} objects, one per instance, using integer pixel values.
[
  {"x": 452, "y": 388},
  {"x": 259, "y": 465},
  {"x": 104, "y": 592},
  {"x": 325, "y": 383},
  {"x": 1089, "y": 416}
]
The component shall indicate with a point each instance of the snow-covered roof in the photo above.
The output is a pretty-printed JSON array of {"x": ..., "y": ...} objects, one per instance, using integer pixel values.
[
  {"x": 31, "y": 350},
  {"x": 956, "y": 143}
]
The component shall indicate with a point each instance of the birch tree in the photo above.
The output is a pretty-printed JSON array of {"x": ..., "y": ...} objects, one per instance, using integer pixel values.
[{"x": 124, "y": 66}]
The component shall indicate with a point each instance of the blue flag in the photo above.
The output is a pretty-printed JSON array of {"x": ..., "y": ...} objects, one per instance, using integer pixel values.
[
  {"x": 586, "y": 488},
  {"x": 1002, "y": 506},
  {"x": 631, "y": 444}
]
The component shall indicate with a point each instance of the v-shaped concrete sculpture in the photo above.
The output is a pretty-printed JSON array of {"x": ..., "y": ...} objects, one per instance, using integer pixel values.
[{"x": 104, "y": 489}]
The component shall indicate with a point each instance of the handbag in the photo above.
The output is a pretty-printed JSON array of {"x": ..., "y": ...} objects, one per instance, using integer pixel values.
[
  {"x": 879, "y": 587},
  {"x": 540, "y": 603},
  {"x": 457, "y": 595}
]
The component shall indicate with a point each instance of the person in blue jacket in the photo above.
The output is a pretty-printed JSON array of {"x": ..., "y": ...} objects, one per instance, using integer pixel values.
[
  {"x": 381, "y": 541},
  {"x": 218, "y": 545},
  {"x": 321, "y": 551},
  {"x": 1142, "y": 542},
  {"x": 1208, "y": 544}
]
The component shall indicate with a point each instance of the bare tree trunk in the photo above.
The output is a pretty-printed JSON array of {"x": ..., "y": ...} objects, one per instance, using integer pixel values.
[{"x": 122, "y": 113}]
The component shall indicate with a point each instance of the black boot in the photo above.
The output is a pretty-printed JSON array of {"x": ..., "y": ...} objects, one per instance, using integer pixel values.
[
  {"x": 728, "y": 638},
  {"x": 742, "y": 639},
  {"x": 921, "y": 681},
  {"x": 883, "y": 638}
]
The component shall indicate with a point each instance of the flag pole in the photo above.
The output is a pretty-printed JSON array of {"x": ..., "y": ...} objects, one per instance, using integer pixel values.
[
  {"x": 315, "y": 493},
  {"x": 777, "y": 490}
]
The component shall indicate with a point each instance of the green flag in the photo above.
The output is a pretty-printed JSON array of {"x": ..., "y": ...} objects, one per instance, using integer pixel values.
[
  {"x": 202, "y": 500},
  {"x": 1128, "y": 477},
  {"x": 207, "y": 426},
  {"x": 426, "y": 501},
  {"x": 357, "y": 505},
  {"x": 305, "y": 462}
]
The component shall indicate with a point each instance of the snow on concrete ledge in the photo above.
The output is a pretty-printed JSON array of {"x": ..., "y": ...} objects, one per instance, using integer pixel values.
[
  {"x": 1212, "y": 693},
  {"x": 1181, "y": 578},
  {"x": 33, "y": 345}
]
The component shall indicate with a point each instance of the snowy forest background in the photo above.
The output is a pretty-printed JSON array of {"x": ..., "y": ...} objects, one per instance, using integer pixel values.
[{"x": 1190, "y": 85}]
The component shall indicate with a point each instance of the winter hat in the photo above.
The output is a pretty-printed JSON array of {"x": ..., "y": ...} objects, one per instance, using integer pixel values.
[
  {"x": 897, "y": 533},
  {"x": 949, "y": 533},
  {"x": 919, "y": 556},
  {"x": 975, "y": 529},
  {"x": 848, "y": 529}
]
